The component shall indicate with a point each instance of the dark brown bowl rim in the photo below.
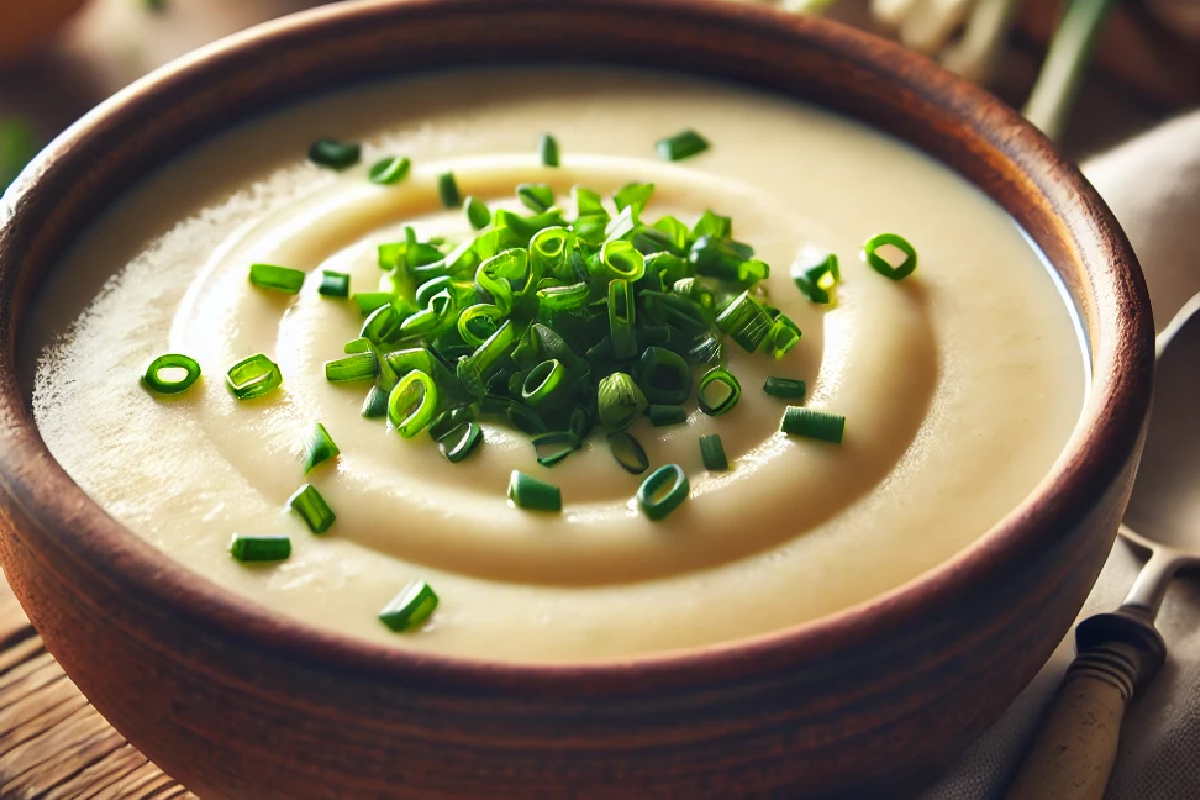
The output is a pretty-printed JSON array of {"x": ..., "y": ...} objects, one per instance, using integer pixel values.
[{"x": 1105, "y": 438}]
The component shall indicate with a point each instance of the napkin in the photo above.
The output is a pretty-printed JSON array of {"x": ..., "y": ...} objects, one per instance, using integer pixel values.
[{"x": 1152, "y": 183}]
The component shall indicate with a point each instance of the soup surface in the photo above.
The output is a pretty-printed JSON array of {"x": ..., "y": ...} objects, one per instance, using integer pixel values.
[{"x": 959, "y": 384}]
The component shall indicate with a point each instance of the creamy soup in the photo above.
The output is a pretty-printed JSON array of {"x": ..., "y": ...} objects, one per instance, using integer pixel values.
[{"x": 959, "y": 384}]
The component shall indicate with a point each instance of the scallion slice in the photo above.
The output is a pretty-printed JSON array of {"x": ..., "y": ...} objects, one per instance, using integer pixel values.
[
  {"x": 527, "y": 492},
  {"x": 389, "y": 171},
  {"x": 685, "y": 144},
  {"x": 543, "y": 383},
  {"x": 357, "y": 367},
  {"x": 633, "y": 194},
  {"x": 816, "y": 275},
  {"x": 260, "y": 549},
  {"x": 253, "y": 376},
  {"x": 548, "y": 150},
  {"x": 368, "y": 302},
  {"x": 448, "y": 420},
  {"x": 786, "y": 388},
  {"x": 448, "y": 190},
  {"x": 281, "y": 279},
  {"x": 719, "y": 391},
  {"x": 745, "y": 321},
  {"x": 622, "y": 318},
  {"x": 161, "y": 377},
  {"x": 810, "y": 424},
  {"x": 334, "y": 284},
  {"x": 883, "y": 265},
  {"x": 619, "y": 400},
  {"x": 663, "y": 491},
  {"x": 628, "y": 452},
  {"x": 662, "y": 416},
  {"x": 334, "y": 154},
  {"x": 461, "y": 441},
  {"x": 477, "y": 213},
  {"x": 663, "y": 376},
  {"x": 312, "y": 508},
  {"x": 376, "y": 403},
  {"x": 554, "y": 446},
  {"x": 712, "y": 452},
  {"x": 410, "y": 609},
  {"x": 537, "y": 197},
  {"x": 320, "y": 449},
  {"x": 413, "y": 403}
]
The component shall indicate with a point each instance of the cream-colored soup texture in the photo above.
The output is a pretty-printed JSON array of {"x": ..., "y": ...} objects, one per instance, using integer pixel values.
[{"x": 959, "y": 385}]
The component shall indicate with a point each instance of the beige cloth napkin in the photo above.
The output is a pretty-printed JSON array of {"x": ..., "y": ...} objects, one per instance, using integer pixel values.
[{"x": 1153, "y": 185}]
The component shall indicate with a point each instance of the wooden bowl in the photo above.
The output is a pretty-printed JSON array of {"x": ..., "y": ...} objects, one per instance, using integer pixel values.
[{"x": 238, "y": 704}]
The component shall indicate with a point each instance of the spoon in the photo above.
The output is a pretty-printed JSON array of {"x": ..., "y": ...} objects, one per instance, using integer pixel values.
[{"x": 1120, "y": 652}]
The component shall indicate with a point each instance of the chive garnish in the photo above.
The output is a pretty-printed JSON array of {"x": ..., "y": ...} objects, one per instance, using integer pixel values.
[
  {"x": 529, "y": 493},
  {"x": 553, "y": 446},
  {"x": 410, "y": 609},
  {"x": 155, "y": 380},
  {"x": 260, "y": 549},
  {"x": 548, "y": 150},
  {"x": 664, "y": 377},
  {"x": 376, "y": 403},
  {"x": 461, "y": 441},
  {"x": 334, "y": 284},
  {"x": 718, "y": 392},
  {"x": 334, "y": 154},
  {"x": 712, "y": 452},
  {"x": 883, "y": 265},
  {"x": 619, "y": 400},
  {"x": 663, "y": 491},
  {"x": 412, "y": 403},
  {"x": 537, "y": 197},
  {"x": 786, "y": 388},
  {"x": 816, "y": 275},
  {"x": 320, "y": 449},
  {"x": 745, "y": 321},
  {"x": 368, "y": 302},
  {"x": 282, "y": 279},
  {"x": 477, "y": 213},
  {"x": 312, "y": 508},
  {"x": 253, "y": 377},
  {"x": 448, "y": 190},
  {"x": 810, "y": 424},
  {"x": 356, "y": 367},
  {"x": 684, "y": 144},
  {"x": 661, "y": 416},
  {"x": 389, "y": 171}
]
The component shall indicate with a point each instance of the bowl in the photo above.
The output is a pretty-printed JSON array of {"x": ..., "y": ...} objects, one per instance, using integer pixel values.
[{"x": 238, "y": 704}]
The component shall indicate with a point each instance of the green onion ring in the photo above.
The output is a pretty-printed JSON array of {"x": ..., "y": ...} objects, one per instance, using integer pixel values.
[
  {"x": 412, "y": 404},
  {"x": 663, "y": 491},
  {"x": 881, "y": 264},
  {"x": 553, "y": 446},
  {"x": 721, "y": 377},
  {"x": 542, "y": 382},
  {"x": 811, "y": 424},
  {"x": 620, "y": 401},
  {"x": 712, "y": 453},
  {"x": 253, "y": 376},
  {"x": 461, "y": 441},
  {"x": 153, "y": 379},
  {"x": 628, "y": 452},
  {"x": 529, "y": 493},
  {"x": 410, "y": 609}
]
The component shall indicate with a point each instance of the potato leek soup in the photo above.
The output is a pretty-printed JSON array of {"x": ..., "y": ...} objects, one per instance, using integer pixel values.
[{"x": 555, "y": 366}]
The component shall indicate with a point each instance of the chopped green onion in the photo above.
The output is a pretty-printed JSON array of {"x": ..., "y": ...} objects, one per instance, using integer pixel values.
[
  {"x": 628, "y": 452},
  {"x": 782, "y": 337},
  {"x": 620, "y": 260},
  {"x": 448, "y": 420},
  {"x": 282, "y": 279},
  {"x": 661, "y": 416},
  {"x": 663, "y": 491},
  {"x": 413, "y": 403},
  {"x": 663, "y": 376},
  {"x": 357, "y": 367},
  {"x": 548, "y": 150},
  {"x": 816, "y": 275},
  {"x": 810, "y": 424},
  {"x": 786, "y": 388},
  {"x": 542, "y": 382},
  {"x": 477, "y": 213},
  {"x": 448, "y": 190},
  {"x": 334, "y": 284},
  {"x": 253, "y": 376},
  {"x": 321, "y": 448},
  {"x": 383, "y": 326},
  {"x": 712, "y": 452},
  {"x": 745, "y": 321},
  {"x": 156, "y": 381},
  {"x": 388, "y": 171},
  {"x": 537, "y": 197},
  {"x": 375, "y": 406},
  {"x": 712, "y": 224},
  {"x": 334, "y": 154},
  {"x": 564, "y": 298},
  {"x": 620, "y": 401},
  {"x": 622, "y": 316},
  {"x": 883, "y": 265},
  {"x": 529, "y": 493},
  {"x": 312, "y": 508},
  {"x": 261, "y": 549},
  {"x": 461, "y": 441},
  {"x": 368, "y": 302},
  {"x": 554, "y": 446},
  {"x": 718, "y": 392},
  {"x": 684, "y": 144},
  {"x": 633, "y": 194},
  {"x": 410, "y": 609}
]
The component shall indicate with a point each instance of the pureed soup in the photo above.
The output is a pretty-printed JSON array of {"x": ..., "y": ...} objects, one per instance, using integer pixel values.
[{"x": 720, "y": 407}]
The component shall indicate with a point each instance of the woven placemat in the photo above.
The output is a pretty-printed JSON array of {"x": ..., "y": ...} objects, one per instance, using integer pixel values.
[{"x": 53, "y": 744}]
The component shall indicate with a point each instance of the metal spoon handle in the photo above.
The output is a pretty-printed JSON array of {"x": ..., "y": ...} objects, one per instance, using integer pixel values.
[{"x": 1073, "y": 754}]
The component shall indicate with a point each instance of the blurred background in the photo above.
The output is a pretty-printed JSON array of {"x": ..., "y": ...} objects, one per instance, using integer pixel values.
[{"x": 1134, "y": 62}]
